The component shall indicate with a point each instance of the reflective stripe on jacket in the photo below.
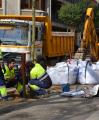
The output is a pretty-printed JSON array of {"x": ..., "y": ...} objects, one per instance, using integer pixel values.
[
  {"x": 37, "y": 71},
  {"x": 8, "y": 74},
  {"x": 3, "y": 91}
]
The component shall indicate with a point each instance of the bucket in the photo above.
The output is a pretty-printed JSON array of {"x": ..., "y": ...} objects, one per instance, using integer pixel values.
[{"x": 66, "y": 87}]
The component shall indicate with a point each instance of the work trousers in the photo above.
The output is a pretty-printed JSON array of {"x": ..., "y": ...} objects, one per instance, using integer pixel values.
[
  {"x": 41, "y": 84},
  {"x": 3, "y": 90},
  {"x": 15, "y": 83}
]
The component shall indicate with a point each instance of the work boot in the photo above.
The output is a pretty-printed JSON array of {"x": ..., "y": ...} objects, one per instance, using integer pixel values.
[
  {"x": 41, "y": 92},
  {"x": 7, "y": 98},
  {"x": 44, "y": 96}
]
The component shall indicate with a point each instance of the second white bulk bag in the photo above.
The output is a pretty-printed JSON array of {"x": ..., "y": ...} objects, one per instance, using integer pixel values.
[{"x": 88, "y": 75}]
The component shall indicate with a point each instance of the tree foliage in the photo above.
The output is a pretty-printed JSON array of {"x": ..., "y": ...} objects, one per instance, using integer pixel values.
[
  {"x": 97, "y": 16},
  {"x": 74, "y": 14}
]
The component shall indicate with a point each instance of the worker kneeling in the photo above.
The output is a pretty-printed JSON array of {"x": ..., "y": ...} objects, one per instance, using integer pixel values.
[
  {"x": 3, "y": 90},
  {"x": 39, "y": 79},
  {"x": 10, "y": 77}
]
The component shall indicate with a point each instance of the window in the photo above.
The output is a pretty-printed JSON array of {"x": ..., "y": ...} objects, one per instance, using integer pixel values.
[
  {"x": 0, "y": 3},
  {"x": 43, "y": 4},
  {"x": 27, "y": 4},
  {"x": 37, "y": 4},
  {"x": 16, "y": 35}
]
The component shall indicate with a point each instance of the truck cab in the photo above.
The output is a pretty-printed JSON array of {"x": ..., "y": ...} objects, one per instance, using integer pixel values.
[{"x": 16, "y": 38}]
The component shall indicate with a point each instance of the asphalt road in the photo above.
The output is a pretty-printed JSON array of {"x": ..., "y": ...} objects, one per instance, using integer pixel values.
[{"x": 54, "y": 107}]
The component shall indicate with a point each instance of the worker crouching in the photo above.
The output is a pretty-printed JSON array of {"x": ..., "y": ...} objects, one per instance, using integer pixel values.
[{"x": 39, "y": 79}]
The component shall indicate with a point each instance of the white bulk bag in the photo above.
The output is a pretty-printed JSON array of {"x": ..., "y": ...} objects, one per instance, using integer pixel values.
[
  {"x": 97, "y": 66},
  {"x": 89, "y": 76},
  {"x": 82, "y": 63},
  {"x": 94, "y": 90},
  {"x": 59, "y": 74}
]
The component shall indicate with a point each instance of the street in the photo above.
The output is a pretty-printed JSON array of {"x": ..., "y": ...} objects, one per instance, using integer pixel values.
[
  {"x": 49, "y": 47},
  {"x": 54, "y": 107}
]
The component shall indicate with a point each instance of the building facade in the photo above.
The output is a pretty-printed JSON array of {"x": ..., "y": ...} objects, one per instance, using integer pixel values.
[{"x": 24, "y": 7}]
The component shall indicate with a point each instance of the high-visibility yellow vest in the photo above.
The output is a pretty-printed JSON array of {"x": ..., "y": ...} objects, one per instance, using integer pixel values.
[
  {"x": 8, "y": 74},
  {"x": 37, "y": 71}
]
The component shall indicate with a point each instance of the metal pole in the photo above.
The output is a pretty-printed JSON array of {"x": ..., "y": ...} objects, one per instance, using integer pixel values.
[
  {"x": 23, "y": 58},
  {"x": 33, "y": 31}
]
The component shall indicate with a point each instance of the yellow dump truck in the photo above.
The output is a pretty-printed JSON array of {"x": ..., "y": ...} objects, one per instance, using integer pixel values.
[{"x": 16, "y": 37}]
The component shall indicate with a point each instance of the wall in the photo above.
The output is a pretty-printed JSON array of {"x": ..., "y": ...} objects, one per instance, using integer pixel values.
[{"x": 12, "y": 7}]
